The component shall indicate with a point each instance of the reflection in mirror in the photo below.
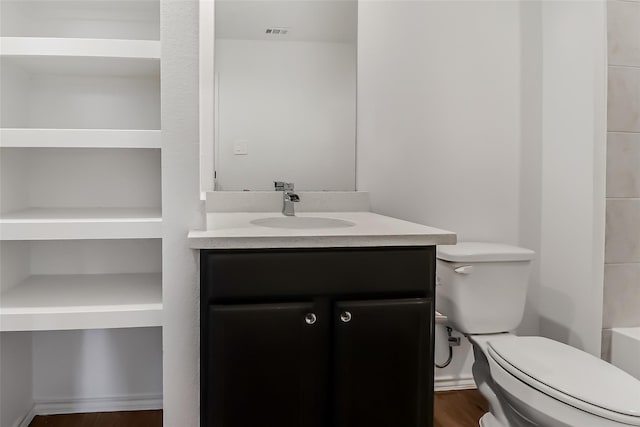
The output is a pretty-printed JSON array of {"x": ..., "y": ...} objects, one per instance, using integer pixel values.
[{"x": 285, "y": 94}]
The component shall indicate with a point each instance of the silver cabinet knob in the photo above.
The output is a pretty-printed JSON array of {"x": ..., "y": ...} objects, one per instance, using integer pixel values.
[
  {"x": 345, "y": 316},
  {"x": 310, "y": 318}
]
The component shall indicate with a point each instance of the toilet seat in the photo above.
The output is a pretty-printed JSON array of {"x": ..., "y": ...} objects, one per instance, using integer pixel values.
[{"x": 570, "y": 376}]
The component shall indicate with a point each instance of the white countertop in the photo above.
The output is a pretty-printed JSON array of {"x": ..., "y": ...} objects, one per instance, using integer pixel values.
[{"x": 234, "y": 230}]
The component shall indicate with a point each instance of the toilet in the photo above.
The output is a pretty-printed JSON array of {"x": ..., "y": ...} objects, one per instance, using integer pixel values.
[{"x": 527, "y": 381}]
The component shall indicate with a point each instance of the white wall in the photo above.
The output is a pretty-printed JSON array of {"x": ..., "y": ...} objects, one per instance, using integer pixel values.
[
  {"x": 439, "y": 114},
  {"x": 101, "y": 363},
  {"x": 487, "y": 118},
  {"x": 52, "y": 99},
  {"x": 15, "y": 377},
  {"x": 93, "y": 19},
  {"x": 48, "y": 177},
  {"x": 14, "y": 263},
  {"x": 531, "y": 151},
  {"x": 439, "y": 122},
  {"x": 93, "y": 256},
  {"x": 458, "y": 373},
  {"x": 14, "y": 107},
  {"x": 573, "y": 177},
  {"x": 181, "y": 211},
  {"x": 294, "y": 103},
  {"x": 13, "y": 171},
  {"x": 86, "y": 102}
]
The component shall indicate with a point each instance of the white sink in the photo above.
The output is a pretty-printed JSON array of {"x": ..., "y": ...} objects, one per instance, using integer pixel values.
[{"x": 302, "y": 222}]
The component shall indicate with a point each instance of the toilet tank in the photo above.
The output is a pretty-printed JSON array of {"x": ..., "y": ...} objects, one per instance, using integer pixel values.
[{"x": 482, "y": 287}]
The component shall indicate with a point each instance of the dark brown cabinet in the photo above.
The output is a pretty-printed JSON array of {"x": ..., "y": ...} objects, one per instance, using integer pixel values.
[
  {"x": 298, "y": 338},
  {"x": 267, "y": 365},
  {"x": 380, "y": 362}
]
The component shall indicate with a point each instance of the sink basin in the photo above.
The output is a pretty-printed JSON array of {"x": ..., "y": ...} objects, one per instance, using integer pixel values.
[{"x": 302, "y": 222}]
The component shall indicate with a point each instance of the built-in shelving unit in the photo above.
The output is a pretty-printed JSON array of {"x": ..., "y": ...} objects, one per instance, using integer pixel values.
[
  {"x": 79, "y": 162},
  {"x": 94, "y": 301},
  {"x": 116, "y": 92},
  {"x": 81, "y": 223},
  {"x": 81, "y": 301},
  {"x": 79, "y": 193},
  {"x": 80, "y": 205},
  {"x": 80, "y": 283}
]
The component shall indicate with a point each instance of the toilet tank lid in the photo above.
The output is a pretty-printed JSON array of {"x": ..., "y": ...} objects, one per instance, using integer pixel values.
[{"x": 483, "y": 252}]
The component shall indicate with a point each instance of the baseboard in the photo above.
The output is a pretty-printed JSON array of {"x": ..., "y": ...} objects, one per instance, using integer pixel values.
[
  {"x": 99, "y": 404},
  {"x": 447, "y": 384},
  {"x": 26, "y": 420}
]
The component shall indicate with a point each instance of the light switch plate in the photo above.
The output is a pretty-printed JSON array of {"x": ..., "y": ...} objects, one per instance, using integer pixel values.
[{"x": 241, "y": 147}]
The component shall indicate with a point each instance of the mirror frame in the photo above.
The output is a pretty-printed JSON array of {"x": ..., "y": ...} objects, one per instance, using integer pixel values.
[{"x": 206, "y": 36}]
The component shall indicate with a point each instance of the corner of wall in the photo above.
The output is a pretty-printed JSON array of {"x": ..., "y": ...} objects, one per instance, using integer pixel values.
[
  {"x": 181, "y": 210},
  {"x": 16, "y": 378},
  {"x": 572, "y": 219}
]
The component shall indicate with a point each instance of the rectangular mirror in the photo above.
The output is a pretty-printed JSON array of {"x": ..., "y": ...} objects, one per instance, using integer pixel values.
[{"x": 285, "y": 94}]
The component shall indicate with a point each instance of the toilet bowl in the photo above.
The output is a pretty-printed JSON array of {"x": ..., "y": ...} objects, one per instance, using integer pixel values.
[{"x": 527, "y": 381}]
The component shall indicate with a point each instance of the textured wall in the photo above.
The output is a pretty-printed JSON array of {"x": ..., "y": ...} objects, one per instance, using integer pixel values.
[
  {"x": 622, "y": 254},
  {"x": 181, "y": 211}
]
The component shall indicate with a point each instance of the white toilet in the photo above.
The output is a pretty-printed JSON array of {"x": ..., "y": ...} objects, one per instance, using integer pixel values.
[{"x": 528, "y": 381}]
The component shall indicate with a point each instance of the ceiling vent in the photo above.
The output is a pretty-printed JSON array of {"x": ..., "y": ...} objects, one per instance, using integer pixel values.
[{"x": 277, "y": 31}]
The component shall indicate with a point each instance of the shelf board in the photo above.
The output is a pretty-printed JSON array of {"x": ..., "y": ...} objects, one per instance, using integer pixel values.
[
  {"x": 82, "y": 56},
  {"x": 85, "y": 301},
  {"x": 79, "y": 138},
  {"x": 103, "y": 48},
  {"x": 81, "y": 223}
]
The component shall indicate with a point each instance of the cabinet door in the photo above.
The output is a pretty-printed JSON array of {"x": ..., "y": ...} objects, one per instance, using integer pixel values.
[
  {"x": 383, "y": 363},
  {"x": 267, "y": 366}
]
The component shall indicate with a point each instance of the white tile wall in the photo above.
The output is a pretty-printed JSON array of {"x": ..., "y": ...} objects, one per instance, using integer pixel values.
[
  {"x": 622, "y": 248},
  {"x": 624, "y": 32},
  {"x": 624, "y": 99},
  {"x": 623, "y": 164},
  {"x": 621, "y": 295},
  {"x": 605, "y": 351},
  {"x": 622, "y": 242}
]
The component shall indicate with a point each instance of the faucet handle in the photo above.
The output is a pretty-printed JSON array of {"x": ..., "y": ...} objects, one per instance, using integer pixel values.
[
  {"x": 292, "y": 197},
  {"x": 283, "y": 186}
]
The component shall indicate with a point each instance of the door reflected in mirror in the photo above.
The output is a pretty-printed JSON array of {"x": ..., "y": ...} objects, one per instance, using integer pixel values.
[{"x": 285, "y": 80}]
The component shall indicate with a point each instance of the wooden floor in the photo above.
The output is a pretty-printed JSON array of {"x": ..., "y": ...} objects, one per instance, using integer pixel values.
[
  {"x": 452, "y": 409},
  {"x": 461, "y": 408},
  {"x": 101, "y": 419}
]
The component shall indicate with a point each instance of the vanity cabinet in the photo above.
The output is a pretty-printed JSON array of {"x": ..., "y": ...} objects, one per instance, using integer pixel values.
[{"x": 337, "y": 337}]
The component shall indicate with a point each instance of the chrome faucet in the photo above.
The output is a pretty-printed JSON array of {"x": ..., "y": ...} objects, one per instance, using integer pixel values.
[{"x": 288, "y": 197}]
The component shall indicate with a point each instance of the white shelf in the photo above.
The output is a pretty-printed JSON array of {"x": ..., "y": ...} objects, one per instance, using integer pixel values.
[
  {"x": 94, "y": 48},
  {"x": 81, "y": 223},
  {"x": 87, "y": 301},
  {"x": 79, "y": 138},
  {"x": 82, "y": 57}
]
